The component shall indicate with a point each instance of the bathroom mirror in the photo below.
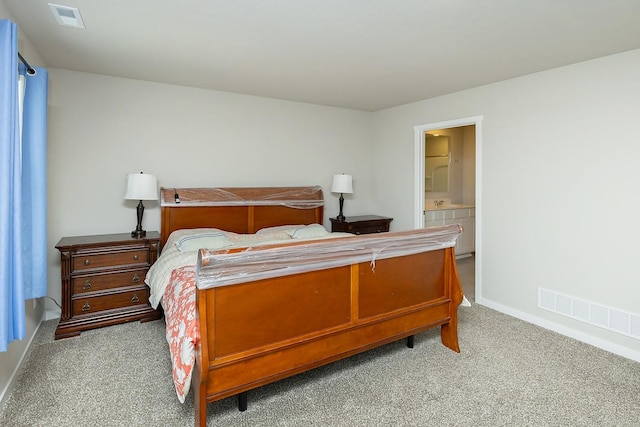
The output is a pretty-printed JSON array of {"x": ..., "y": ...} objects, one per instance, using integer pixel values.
[{"x": 436, "y": 163}]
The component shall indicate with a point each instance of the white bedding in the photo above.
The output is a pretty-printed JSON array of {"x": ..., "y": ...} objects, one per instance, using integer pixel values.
[{"x": 181, "y": 248}]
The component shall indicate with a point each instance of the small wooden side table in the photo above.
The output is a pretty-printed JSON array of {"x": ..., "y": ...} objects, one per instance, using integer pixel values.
[{"x": 103, "y": 281}]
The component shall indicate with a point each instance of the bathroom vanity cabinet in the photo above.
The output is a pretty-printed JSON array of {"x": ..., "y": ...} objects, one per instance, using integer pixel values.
[{"x": 463, "y": 216}]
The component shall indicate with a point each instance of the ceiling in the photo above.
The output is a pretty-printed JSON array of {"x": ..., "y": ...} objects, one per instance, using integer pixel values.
[{"x": 359, "y": 54}]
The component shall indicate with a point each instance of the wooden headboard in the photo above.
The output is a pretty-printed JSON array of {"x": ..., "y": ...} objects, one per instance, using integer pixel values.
[{"x": 240, "y": 210}]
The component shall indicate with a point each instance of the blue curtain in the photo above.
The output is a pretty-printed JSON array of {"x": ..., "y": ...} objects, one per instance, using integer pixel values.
[
  {"x": 23, "y": 233},
  {"x": 34, "y": 182}
]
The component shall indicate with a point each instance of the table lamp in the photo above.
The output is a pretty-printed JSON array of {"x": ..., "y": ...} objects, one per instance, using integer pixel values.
[
  {"x": 342, "y": 184},
  {"x": 141, "y": 186}
]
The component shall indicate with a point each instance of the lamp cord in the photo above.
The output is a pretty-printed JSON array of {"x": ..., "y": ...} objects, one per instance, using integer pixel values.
[{"x": 54, "y": 301}]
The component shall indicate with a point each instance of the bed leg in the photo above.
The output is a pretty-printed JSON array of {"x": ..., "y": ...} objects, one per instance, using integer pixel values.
[
  {"x": 242, "y": 401},
  {"x": 449, "y": 335},
  {"x": 410, "y": 341},
  {"x": 200, "y": 398}
]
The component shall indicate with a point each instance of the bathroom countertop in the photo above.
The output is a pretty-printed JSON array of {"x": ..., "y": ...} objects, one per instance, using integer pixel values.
[{"x": 431, "y": 207}]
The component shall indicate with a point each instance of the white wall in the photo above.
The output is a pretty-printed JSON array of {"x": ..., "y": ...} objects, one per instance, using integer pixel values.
[
  {"x": 102, "y": 128},
  {"x": 559, "y": 187}
]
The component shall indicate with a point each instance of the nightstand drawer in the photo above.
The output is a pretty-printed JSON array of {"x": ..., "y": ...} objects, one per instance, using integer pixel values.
[
  {"x": 87, "y": 262},
  {"x": 370, "y": 229},
  {"x": 93, "y": 304},
  {"x": 99, "y": 282}
]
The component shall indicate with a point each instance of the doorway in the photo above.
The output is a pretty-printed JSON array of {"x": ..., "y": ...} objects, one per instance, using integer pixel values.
[{"x": 464, "y": 194}]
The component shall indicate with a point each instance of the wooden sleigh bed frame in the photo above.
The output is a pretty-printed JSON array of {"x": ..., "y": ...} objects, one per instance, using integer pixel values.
[{"x": 255, "y": 333}]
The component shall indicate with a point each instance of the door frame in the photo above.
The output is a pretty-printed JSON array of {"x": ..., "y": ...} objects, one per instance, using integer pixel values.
[{"x": 419, "y": 211}]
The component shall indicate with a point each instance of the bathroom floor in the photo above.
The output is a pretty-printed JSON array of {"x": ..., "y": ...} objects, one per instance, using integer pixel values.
[{"x": 466, "y": 273}]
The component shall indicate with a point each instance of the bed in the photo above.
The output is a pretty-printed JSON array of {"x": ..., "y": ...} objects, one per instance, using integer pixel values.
[{"x": 261, "y": 311}]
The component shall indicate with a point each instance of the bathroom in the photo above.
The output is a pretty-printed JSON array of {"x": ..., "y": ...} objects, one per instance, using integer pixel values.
[
  {"x": 450, "y": 189},
  {"x": 452, "y": 183}
]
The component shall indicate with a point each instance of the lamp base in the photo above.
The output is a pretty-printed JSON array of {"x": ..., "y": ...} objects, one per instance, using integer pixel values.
[
  {"x": 138, "y": 234},
  {"x": 340, "y": 216}
]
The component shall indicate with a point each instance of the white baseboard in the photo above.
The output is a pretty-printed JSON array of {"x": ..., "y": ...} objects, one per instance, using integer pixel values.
[
  {"x": 564, "y": 330},
  {"x": 52, "y": 314},
  {"x": 9, "y": 386}
]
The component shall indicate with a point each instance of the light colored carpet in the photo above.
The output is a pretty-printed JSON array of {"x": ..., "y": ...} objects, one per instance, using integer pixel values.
[{"x": 509, "y": 373}]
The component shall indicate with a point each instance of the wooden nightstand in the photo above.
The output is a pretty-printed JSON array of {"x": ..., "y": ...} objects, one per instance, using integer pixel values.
[
  {"x": 365, "y": 224},
  {"x": 103, "y": 281}
]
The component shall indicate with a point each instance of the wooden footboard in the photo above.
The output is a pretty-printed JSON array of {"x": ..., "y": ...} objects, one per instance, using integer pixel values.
[{"x": 259, "y": 332}]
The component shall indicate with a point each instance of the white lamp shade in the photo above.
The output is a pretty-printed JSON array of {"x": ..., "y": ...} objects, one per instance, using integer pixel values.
[
  {"x": 142, "y": 186},
  {"x": 342, "y": 184}
]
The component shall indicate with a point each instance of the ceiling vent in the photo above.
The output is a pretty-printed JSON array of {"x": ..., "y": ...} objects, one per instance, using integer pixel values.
[{"x": 67, "y": 16}]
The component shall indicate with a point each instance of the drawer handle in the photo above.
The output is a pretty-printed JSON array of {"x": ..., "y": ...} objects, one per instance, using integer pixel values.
[
  {"x": 135, "y": 257},
  {"x": 87, "y": 262},
  {"x": 87, "y": 285},
  {"x": 135, "y": 299},
  {"x": 86, "y": 306},
  {"x": 135, "y": 278}
]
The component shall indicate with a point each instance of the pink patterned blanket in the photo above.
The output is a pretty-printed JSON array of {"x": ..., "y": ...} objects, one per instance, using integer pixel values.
[{"x": 183, "y": 332}]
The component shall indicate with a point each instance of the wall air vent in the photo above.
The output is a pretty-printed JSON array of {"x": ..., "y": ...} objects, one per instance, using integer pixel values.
[
  {"x": 613, "y": 319},
  {"x": 67, "y": 16}
]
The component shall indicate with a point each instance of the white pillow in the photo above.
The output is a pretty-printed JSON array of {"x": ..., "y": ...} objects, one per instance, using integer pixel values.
[
  {"x": 310, "y": 231},
  {"x": 172, "y": 241},
  {"x": 251, "y": 239},
  {"x": 289, "y": 229},
  {"x": 215, "y": 240}
]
